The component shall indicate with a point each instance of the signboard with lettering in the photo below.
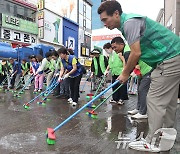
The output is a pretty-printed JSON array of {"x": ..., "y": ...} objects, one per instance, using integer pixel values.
[
  {"x": 19, "y": 24},
  {"x": 17, "y": 36},
  {"x": 40, "y": 4},
  {"x": 52, "y": 28},
  {"x": 71, "y": 43}
]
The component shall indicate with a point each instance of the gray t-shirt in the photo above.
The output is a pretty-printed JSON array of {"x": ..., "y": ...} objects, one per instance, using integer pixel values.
[{"x": 134, "y": 29}]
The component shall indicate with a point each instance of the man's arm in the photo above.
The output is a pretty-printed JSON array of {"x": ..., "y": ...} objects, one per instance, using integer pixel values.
[{"x": 132, "y": 61}]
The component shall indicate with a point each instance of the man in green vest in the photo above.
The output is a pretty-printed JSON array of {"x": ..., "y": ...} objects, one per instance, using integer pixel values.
[
  {"x": 98, "y": 67},
  {"x": 118, "y": 45},
  {"x": 116, "y": 64},
  {"x": 159, "y": 48},
  {"x": 144, "y": 80}
]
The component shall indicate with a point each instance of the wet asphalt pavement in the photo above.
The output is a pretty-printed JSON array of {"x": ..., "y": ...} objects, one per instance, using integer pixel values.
[{"x": 23, "y": 131}]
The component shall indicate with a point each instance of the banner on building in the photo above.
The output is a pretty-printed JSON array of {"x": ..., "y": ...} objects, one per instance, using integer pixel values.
[
  {"x": 53, "y": 28},
  {"x": 19, "y": 24},
  {"x": 17, "y": 36}
]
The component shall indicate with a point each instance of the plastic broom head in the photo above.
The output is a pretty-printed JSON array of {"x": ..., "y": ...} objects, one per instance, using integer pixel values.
[
  {"x": 15, "y": 95},
  {"x": 45, "y": 95},
  {"x": 26, "y": 106},
  {"x": 51, "y": 138},
  {"x": 87, "y": 97},
  {"x": 43, "y": 104},
  {"x": 91, "y": 106},
  {"x": 48, "y": 99},
  {"x": 90, "y": 95},
  {"x": 39, "y": 103},
  {"x": 94, "y": 116}
]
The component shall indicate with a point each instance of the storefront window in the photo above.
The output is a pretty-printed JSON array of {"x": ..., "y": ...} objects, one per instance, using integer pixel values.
[
  {"x": 81, "y": 6},
  {"x": 80, "y": 20},
  {"x": 88, "y": 11},
  {"x": 10, "y": 8},
  {"x": 88, "y": 23}
]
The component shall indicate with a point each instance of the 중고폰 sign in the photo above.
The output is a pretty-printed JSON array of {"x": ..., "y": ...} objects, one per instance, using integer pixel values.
[{"x": 19, "y": 24}]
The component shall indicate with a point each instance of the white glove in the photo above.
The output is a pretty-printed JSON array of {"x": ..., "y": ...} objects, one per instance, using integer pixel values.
[
  {"x": 60, "y": 79},
  {"x": 106, "y": 72},
  {"x": 66, "y": 75},
  {"x": 92, "y": 74},
  {"x": 57, "y": 74}
]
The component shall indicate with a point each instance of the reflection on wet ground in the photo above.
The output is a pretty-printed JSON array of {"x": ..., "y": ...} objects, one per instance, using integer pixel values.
[{"x": 23, "y": 131}]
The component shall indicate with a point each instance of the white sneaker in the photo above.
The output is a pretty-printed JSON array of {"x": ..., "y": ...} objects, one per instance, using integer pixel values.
[
  {"x": 135, "y": 111},
  {"x": 70, "y": 102},
  {"x": 70, "y": 99},
  {"x": 139, "y": 116},
  {"x": 74, "y": 103},
  {"x": 120, "y": 102},
  {"x": 143, "y": 145}
]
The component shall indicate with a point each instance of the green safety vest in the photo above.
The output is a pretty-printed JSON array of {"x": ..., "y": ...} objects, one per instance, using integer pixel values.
[
  {"x": 127, "y": 48},
  {"x": 25, "y": 67},
  {"x": 144, "y": 68},
  {"x": 102, "y": 64},
  {"x": 58, "y": 64},
  {"x": 10, "y": 66},
  {"x": 115, "y": 64},
  {"x": 157, "y": 44},
  {"x": 0, "y": 68},
  {"x": 51, "y": 65}
]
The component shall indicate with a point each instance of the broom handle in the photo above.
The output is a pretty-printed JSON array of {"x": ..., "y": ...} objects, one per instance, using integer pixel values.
[
  {"x": 55, "y": 85},
  {"x": 83, "y": 107},
  {"x": 30, "y": 79},
  {"x": 87, "y": 77},
  {"x": 39, "y": 95},
  {"x": 5, "y": 79},
  {"x": 102, "y": 80},
  {"x": 91, "y": 84},
  {"x": 52, "y": 82},
  {"x": 84, "y": 85},
  {"x": 107, "y": 98},
  {"x": 19, "y": 83}
]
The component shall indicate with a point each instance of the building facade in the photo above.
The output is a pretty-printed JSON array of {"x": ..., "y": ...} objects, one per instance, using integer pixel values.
[
  {"x": 85, "y": 30},
  {"x": 160, "y": 17},
  {"x": 18, "y": 23},
  {"x": 171, "y": 15},
  {"x": 76, "y": 13}
]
